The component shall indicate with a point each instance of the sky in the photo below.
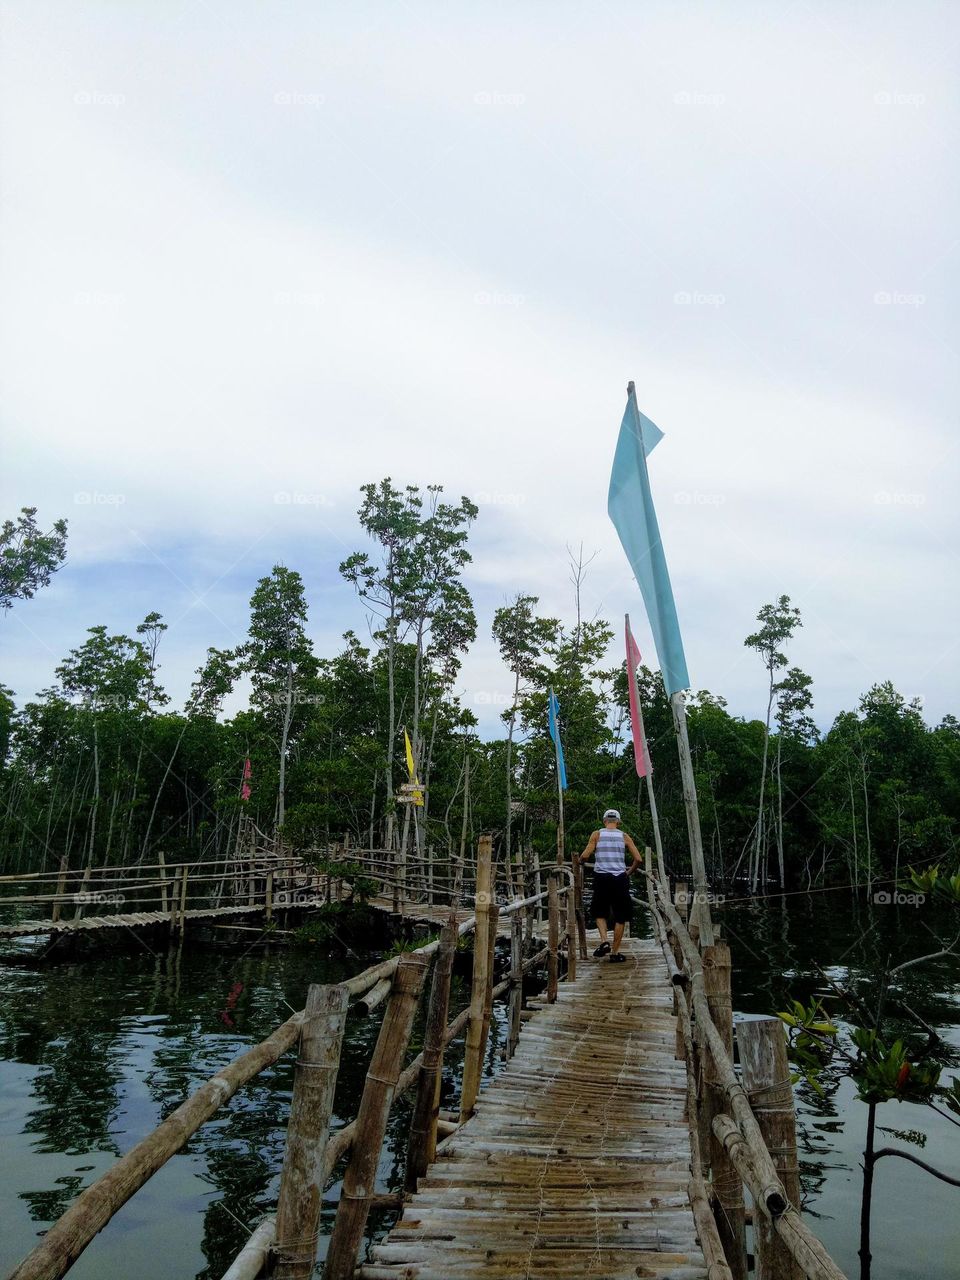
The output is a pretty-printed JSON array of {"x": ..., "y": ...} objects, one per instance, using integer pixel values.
[{"x": 255, "y": 256}]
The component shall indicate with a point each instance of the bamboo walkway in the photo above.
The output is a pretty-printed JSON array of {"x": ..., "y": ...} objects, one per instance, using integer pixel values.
[
  {"x": 577, "y": 1159},
  {"x": 123, "y": 920}
]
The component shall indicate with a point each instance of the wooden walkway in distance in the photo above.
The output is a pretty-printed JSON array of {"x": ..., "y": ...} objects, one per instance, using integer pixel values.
[
  {"x": 122, "y": 920},
  {"x": 577, "y": 1159}
]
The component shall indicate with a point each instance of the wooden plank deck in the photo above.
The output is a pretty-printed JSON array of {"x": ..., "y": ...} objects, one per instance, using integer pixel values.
[
  {"x": 122, "y": 920},
  {"x": 577, "y": 1159}
]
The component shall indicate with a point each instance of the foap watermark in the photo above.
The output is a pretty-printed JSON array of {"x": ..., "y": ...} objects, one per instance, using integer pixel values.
[
  {"x": 294, "y": 898},
  {"x": 697, "y": 98},
  {"x": 102, "y": 898},
  {"x": 484, "y": 698},
  {"x": 94, "y": 298},
  {"x": 498, "y": 98},
  {"x": 94, "y": 98},
  {"x": 694, "y": 498},
  {"x": 295, "y": 98},
  {"x": 692, "y": 896},
  {"x": 294, "y": 498},
  {"x": 497, "y": 298},
  {"x": 894, "y": 298},
  {"x": 694, "y": 298},
  {"x": 297, "y": 298},
  {"x": 885, "y": 498},
  {"x": 897, "y": 898},
  {"x": 94, "y": 498},
  {"x": 297, "y": 698},
  {"x": 897, "y": 98},
  {"x": 486, "y": 498}
]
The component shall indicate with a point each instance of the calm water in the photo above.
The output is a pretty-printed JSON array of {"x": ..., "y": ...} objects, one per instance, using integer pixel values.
[{"x": 93, "y": 1054}]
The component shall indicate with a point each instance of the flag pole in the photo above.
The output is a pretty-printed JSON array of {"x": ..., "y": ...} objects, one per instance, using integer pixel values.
[
  {"x": 701, "y": 897},
  {"x": 648, "y": 777}
]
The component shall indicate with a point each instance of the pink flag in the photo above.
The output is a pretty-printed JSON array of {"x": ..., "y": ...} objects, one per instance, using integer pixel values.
[
  {"x": 247, "y": 774},
  {"x": 640, "y": 753}
]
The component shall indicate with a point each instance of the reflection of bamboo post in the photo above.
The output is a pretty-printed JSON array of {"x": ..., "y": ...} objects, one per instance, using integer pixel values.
[
  {"x": 422, "y": 1145},
  {"x": 727, "y": 1187},
  {"x": 553, "y": 935},
  {"x": 766, "y": 1079},
  {"x": 301, "y": 1182},
  {"x": 472, "y": 1059},
  {"x": 371, "y": 1122}
]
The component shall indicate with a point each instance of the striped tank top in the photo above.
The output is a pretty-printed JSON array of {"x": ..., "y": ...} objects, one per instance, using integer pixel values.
[{"x": 610, "y": 853}]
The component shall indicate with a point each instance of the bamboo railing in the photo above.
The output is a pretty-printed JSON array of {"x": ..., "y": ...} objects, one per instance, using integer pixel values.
[
  {"x": 288, "y": 1241},
  {"x": 743, "y": 1134}
]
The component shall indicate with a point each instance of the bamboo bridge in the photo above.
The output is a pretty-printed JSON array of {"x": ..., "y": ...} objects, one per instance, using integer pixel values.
[{"x": 618, "y": 1139}]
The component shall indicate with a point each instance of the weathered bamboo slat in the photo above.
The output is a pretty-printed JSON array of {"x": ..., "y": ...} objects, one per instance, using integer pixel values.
[{"x": 422, "y": 1144}]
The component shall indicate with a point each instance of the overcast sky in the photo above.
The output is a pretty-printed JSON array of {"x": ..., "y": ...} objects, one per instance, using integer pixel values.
[{"x": 257, "y": 255}]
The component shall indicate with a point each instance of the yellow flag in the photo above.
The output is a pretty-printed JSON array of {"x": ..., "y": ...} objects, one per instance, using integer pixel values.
[{"x": 411, "y": 770}]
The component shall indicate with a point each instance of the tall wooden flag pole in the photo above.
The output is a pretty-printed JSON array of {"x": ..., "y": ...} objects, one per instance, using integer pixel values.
[
  {"x": 641, "y": 752},
  {"x": 630, "y": 506}
]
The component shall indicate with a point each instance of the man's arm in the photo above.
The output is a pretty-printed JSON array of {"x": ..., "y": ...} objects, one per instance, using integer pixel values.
[
  {"x": 591, "y": 846},
  {"x": 632, "y": 848}
]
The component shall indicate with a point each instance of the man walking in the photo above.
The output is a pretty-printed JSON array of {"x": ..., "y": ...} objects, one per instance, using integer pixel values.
[{"x": 611, "y": 889}]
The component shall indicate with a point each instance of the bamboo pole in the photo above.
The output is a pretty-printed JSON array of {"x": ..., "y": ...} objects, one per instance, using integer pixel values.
[
  {"x": 422, "y": 1144},
  {"x": 183, "y": 897},
  {"x": 94, "y": 1207},
  {"x": 371, "y": 1122},
  {"x": 701, "y": 891},
  {"x": 726, "y": 1185},
  {"x": 252, "y": 1258},
  {"x": 163, "y": 882},
  {"x": 175, "y": 899},
  {"x": 802, "y": 1244},
  {"x": 516, "y": 980},
  {"x": 766, "y": 1079},
  {"x": 472, "y": 1061},
  {"x": 488, "y": 995},
  {"x": 314, "y": 1082},
  {"x": 268, "y": 900},
  {"x": 553, "y": 936}
]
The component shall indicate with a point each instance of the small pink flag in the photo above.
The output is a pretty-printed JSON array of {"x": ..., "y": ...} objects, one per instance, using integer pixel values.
[
  {"x": 640, "y": 753},
  {"x": 247, "y": 774}
]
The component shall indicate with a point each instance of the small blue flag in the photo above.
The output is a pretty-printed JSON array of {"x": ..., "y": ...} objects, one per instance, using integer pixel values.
[
  {"x": 554, "y": 711},
  {"x": 630, "y": 507}
]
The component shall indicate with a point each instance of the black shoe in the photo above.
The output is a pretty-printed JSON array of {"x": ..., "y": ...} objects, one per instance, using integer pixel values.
[
  {"x": 602, "y": 950},
  {"x": 618, "y": 959}
]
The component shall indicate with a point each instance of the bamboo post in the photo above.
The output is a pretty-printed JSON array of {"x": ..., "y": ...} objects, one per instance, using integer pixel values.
[
  {"x": 492, "y": 922},
  {"x": 766, "y": 1079},
  {"x": 163, "y": 881},
  {"x": 183, "y": 898},
  {"x": 268, "y": 903},
  {"x": 726, "y": 1187},
  {"x": 578, "y": 907},
  {"x": 516, "y": 980},
  {"x": 371, "y": 1122},
  {"x": 175, "y": 898},
  {"x": 422, "y": 1145},
  {"x": 472, "y": 1060},
  {"x": 251, "y": 897},
  {"x": 314, "y": 1082},
  {"x": 553, "y": 935},
  {"x": 701, "y": 899},
  {"x": 61, "y": 889}
]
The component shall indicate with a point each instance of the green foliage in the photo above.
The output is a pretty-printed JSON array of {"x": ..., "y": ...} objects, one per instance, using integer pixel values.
[
  {"x": 883, "y": 1072},
  {"x": 28, "y": 558},
  {"x": 811, "y": 1039}
]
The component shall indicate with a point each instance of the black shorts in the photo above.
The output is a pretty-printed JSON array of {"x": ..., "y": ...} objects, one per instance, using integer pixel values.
[{"x": 611, "y": 898}]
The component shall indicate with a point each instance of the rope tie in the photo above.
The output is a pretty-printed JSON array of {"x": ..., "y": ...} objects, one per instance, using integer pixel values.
[{"x": 768, "y": 1088}]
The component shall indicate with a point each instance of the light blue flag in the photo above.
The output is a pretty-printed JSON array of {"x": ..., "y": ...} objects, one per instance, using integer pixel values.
[
  {"x": 554, "y": 711},
  {"x": 630, "y": 507}
]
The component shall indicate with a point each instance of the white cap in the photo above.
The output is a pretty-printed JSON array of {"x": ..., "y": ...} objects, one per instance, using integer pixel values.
[{"x": 612, "y": 813}]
